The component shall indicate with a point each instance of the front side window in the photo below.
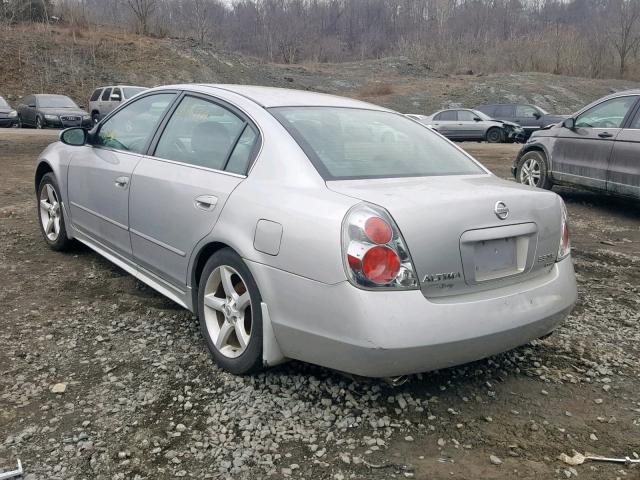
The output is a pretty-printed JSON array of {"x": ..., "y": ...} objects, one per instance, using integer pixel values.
[
  {"x": 200, "y": 133},
  {"x": 526, "y": 111},
  {"x": 106, "y": 94},
  {"x": 130, "y": 128},
  {"x": 393, "y": 146},
  {"x": 608, "y": 114},
  {"x": 96, "y": 95},
  {"x": 465, "y": 116}
]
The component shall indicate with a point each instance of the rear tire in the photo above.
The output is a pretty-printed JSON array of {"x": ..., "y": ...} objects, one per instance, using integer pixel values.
[
  {"x": 230, "y": 313},
  {"x": 495, "y": 135},
  {"x": 51, "y": 214},
  {"x": 533, "y": 170},
  {"x": 39, "y": 125}
]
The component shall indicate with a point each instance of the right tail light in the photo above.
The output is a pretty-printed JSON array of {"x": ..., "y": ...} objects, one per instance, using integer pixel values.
[
  {"x": 565, "y": 237},
  {"x": 375, "y": 254}
]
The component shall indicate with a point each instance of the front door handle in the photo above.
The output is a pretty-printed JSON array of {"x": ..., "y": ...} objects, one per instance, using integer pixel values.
[
  {"x": 206, "y": 202},
  {"x": 605, "y": 135},
  {"x": 122, "y": 182}
]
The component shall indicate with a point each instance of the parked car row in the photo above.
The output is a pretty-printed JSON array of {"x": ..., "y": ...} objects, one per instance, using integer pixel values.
[
  {"x": 497, "y": 123},
  {"x": 60, "y": 111}
]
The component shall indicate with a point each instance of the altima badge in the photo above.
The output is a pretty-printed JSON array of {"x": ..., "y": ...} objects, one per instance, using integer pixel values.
[{"x": 501, "y": 210}]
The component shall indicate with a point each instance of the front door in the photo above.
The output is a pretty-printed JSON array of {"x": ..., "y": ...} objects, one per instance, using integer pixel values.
[
  {"x": 624, "y": 167},
  {"x": 99, "y": 176},
  {"x": 467, "y": 127},
  {"x": 178, "y": 193},
  {"x": 528, "y": 117},
  {"x": 581, "y": 155}
]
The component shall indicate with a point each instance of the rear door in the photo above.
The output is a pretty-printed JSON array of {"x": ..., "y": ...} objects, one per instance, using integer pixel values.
[
  {"x": 581, "y": 155},
  {"x": 505, "y": 112},
  {"x": 201, "y": 154},
  {"x": 445, "y": 123},
  {"x": 99, "y": 176},
  {"x": 624, "y": 168}
]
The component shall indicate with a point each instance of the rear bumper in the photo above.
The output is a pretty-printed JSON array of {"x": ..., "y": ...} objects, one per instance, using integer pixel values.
[{"x": 379, "y": 334}]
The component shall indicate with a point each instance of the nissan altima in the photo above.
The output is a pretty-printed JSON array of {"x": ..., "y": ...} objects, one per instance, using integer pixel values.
[{"x": 305, "y": 226}]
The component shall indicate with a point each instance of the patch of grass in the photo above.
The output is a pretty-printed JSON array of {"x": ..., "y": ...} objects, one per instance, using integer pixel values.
[{"x": 376, "y": 89}]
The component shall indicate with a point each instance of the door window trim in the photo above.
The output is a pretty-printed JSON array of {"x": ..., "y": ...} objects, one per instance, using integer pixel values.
[{"x": 248, "y": 122}]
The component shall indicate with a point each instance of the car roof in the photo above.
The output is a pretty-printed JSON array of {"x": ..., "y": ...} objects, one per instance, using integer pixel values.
[{"x": 269, "y": 97}]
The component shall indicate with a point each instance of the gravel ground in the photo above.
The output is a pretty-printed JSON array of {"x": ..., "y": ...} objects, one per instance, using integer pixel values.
[{"x": 103, "y": 378}]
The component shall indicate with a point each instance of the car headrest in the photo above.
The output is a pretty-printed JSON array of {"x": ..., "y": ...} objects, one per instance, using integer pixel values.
[{"x": 210, "y": 142}]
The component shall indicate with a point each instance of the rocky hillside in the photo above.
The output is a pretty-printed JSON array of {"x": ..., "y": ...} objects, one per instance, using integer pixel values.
[{"x": 71, "y": 61}]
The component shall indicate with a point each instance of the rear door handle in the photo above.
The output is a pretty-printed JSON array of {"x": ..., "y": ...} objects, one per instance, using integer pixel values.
[
  {"x": 122, "y": 182},
  {"x": 206, "y": 202},
  {"x": 605, "y": 135}
]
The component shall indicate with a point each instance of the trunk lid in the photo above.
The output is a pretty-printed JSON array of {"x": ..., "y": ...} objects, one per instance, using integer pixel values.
[{"x": 457, "y": 242}]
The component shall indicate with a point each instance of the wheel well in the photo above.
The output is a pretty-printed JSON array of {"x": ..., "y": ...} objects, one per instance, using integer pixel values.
[
  {"x": 41, "y": 171},
  {"x": 203, "y": 255},
  {"x": 533, "y": 148}
]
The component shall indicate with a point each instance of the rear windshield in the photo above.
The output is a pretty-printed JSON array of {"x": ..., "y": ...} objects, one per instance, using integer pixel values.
[
  {"x": 132, "y": 91},
  {"x": 55, "y": 101},
  {"x": 348, "y": 143}
]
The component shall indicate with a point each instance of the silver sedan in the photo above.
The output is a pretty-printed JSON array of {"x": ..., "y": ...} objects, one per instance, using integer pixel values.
[
  {"x": 305, "y": 226},
  {"x": 466, "y": 124}
]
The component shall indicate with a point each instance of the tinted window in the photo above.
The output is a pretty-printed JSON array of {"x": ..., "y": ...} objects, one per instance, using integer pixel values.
[
  {"x": 96, "y": 95},
  {"x": 106, "y": 94},
  {"x": 242, "y": 154},
  {"x": 55, "y": 101},
  {"x": 526, "y": 111},
  {"x": 608, "y": 114},
  {"x": 447, "y": 115},
  {"x": 130, "y": 128},
  {"x": 117, "y": 93},
  {"x": 465, "y": 116},
  {"x": 503, "y": 111},
  {"x": 200, "y": 133},
  {"x": 132, "y": 91},
  {"x": 487, "y": 109},
  {"x": 392, "y": 146}
]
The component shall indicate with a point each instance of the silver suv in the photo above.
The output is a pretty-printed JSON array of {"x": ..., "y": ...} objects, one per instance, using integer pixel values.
[{"x": 105, "y": 99}]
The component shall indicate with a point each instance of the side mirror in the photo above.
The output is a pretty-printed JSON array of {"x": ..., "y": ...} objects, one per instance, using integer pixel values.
[
  {"x": 32, "y": 105},
  {"x": 537, "y": 115},
  {"x": 115, "y": 98},
  {"x": 569, "y": 123},
  {"x": 477, "y": 119},
  {"x": 74, "y": 136}
]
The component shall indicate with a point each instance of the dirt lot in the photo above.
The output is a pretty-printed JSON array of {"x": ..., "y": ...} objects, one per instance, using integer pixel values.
[{"x": 143, "y": 400}]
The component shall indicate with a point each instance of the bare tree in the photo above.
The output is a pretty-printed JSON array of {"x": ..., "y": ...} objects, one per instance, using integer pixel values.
[
  {"x": 624, "y": 33},
  {"x": 143, "y": 10}
]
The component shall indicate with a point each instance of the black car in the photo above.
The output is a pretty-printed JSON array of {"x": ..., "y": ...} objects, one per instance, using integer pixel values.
[
  {"x": 8, "y": 116},
  {"x": 598, "y": 148},
  {"x": 529, "y": 117},
  {"x": 58, "y": 111}
]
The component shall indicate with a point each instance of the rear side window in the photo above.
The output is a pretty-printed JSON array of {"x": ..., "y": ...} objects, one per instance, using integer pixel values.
[
  {"x": 202, "y": 133},
  {"x": 131, "y": 127},
  {"x": 96, "y": 95},
  {"x": 487, "y": 110},
  {"x": 448, "y": 115},
  {"x": 242, "y": 154},
  {"x": 106, "y": 94},
  {"x": 504, "y": 111},
  {"x": 349, "y": 143}
]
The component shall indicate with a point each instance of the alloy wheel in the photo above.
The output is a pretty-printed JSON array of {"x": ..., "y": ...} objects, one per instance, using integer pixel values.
[
  {"x": 50, "y": 212},
  {"x": 227, "y": 311},
  {"x": 530, "y": 172},
  {"x": 38, "y": 123}
]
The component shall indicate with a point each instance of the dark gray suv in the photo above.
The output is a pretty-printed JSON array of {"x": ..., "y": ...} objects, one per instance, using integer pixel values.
[
  {"x": 529, "y": 117},
  {"x": 598, "y": 147}
]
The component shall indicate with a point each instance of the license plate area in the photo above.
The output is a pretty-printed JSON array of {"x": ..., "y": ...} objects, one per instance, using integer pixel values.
[
  {"x": 496, "y": 259},
  {"x": 496, "y": 253}
]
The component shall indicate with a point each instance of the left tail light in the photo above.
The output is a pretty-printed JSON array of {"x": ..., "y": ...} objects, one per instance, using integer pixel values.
[
  {"x": 564, "y": 249},
  {"x": 375, "y": 254}
]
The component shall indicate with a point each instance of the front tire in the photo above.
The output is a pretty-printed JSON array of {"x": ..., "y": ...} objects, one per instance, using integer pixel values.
[
  {"x": 533, "y": 170},
  {"x": 51, "y": 214},
  {"x": 230, "y": 313},
  {"x": 495, "y": 135}
]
